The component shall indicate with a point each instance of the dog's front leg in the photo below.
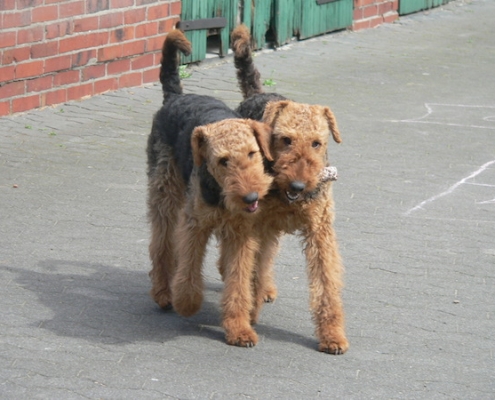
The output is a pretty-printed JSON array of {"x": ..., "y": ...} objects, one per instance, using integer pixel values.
[
  {"x": 187, "y": 284},
  {"x": 325, "y": 283},
  {"x": 237, "y": 257}
]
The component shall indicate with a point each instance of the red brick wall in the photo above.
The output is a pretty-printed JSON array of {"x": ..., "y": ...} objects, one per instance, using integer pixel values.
[
  {"x": 52, "y": 51},
  {"x": 371, "y": 13}
]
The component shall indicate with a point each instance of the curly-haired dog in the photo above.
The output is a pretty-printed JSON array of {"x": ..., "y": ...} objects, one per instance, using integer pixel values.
[
  {"x": 300, "y": 200},
  {"x": 206, "y": 175}
]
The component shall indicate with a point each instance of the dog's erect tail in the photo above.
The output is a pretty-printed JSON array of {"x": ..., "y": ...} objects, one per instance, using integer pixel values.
[
  {"x": 248, "y": 76},
  {"x": 169, "y": 70}
]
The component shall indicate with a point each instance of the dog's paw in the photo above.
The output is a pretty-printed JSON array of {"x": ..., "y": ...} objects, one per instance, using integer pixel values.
[
  {"x": 162, "y": 298},
  {"x": 187, "y": 304},
  {"x": 334, "y": 345},
  {"x": 243, "y": 337},
  {"x": 270, "y": 294}
]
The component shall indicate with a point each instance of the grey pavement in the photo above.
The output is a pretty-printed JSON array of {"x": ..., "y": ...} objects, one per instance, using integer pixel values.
[{"x": 415, "y": 202}]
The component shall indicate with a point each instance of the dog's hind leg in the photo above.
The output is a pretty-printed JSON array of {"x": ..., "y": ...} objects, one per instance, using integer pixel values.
[
  {"x": 165, "y": 196},
  {"x": 264, "y": 288},
  {"x": 187, "y": 285}
]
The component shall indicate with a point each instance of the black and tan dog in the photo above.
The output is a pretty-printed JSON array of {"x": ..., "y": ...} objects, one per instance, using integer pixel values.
[
  {"x": 205, "y": 175},
  {"x": 300, "y": 200}
]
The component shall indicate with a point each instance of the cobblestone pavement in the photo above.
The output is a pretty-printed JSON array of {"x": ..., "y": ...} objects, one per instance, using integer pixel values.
[{"x": 415, "y": 200}]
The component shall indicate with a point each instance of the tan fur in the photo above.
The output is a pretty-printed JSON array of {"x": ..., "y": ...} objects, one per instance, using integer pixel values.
[
  {"x": 299, "y": 149},
  {"x": 182, "y": 222}
]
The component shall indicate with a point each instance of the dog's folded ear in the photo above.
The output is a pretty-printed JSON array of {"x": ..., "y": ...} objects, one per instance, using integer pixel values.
[
  {"x": 198, "y": 144},
  {"x": 272, "y": 111},
  {"x": 263, "y": 134},
  {"x": 332, "y": 124}
]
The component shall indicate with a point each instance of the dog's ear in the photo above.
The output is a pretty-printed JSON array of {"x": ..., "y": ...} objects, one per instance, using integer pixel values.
[
  {"x": 332, "y": 124},
  {"x": 198, "y": 144},
  {"x": 263, "y": 134},
  {"x": 272, "y": 111}
]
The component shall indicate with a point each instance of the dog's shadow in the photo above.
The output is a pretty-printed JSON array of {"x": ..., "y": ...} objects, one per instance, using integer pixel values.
[{"x": 105, "y": 304}]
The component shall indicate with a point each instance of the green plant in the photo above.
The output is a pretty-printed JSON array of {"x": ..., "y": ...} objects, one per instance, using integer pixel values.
[{"x": 183, "y": 72}]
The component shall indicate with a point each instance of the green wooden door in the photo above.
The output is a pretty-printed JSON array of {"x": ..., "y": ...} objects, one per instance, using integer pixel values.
[
  {"x": 308, "y": 18},
  {"x": 411, "y": 6},
  {"x": 194, "y": 10}
]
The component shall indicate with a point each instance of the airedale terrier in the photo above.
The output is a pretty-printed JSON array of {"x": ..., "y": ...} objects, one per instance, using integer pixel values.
[
  {"x": 206, "y": 175},
  {"x": 300, "y": 200}
]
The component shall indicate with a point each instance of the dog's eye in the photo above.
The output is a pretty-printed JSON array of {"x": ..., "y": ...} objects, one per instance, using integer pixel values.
[
  {"x": 287, "y": 140},
  {"x": 316, "y": 144},
  {"x": 251, "y": 154},
  {"x": 223, "y": 161}
]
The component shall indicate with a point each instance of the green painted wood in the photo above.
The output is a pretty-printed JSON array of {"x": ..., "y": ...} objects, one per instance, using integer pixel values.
[
  {"x": 318, "y": 19},
  {"x": 411, "y": 6},
  {"x": 192, "y": 10},
  {"x": 200, "y": 9},
  {"x": 261, "y": 17}
]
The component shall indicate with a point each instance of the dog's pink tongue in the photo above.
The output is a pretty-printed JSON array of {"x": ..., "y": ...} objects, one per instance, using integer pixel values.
[{"x": 253, "y": 207}]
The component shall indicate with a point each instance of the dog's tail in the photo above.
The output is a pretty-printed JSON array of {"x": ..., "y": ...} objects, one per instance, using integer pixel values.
[
  {"x": 248, "y": 76},
  {"x": 169, "y": 70}
]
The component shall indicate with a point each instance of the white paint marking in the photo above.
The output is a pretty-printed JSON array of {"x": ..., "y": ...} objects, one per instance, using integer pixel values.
[{"x": 451, "y": 189}]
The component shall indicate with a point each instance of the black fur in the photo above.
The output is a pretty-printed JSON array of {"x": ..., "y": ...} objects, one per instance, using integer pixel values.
[
  {"x": 254, "y": 106},
  {"x": 174, "y": 123}
]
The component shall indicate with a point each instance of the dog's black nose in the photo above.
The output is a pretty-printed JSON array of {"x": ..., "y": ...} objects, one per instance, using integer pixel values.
[
  {"x": 297, "y": 186},
  {"x": 250, "y": 198}
]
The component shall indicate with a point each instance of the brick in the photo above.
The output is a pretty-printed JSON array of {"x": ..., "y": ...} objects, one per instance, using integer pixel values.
[
  {"x": 44, "y": 50},
  {"x": 167, "y": 25},
  {"x": 153, "y": 44},
  {"x": 44, "y": 13},
  {"x": 17, "y": 54},
  {"x": 390, "y": 17},
  {"x": 118, "y": 67},
  {"x": 146, "y": 30},
  {"x": 364, "y": 3},
  {"x": 131, "y": 79},
  {"x": 7, "y": 73},
  {"x": 143, "y": 62},
  {"x": 84, "y": 58},
  {"x": 4, "y": 108},
  {"x": 122, "y": 34},
  {"x": 176, "y": 8},
  {"x": 94, "y": 6},
  {"x": 134, "y": 16},
  {"x": 370, "y": 11},
  {"x": 16, "y": 19},
  {"x": 39, "y": 84},
  {"x": 66, "y": 78},
  {"x": 71, "y": 8},
  {"x": 151, "y": 75},
  {"x": 109, "y": 53},
  {"x": 28, "y": 69},
  {"x": 111, "y": 20},
  {"x": 93, "y": 72},
  {"x": 158, "y": 12},
  {"x": 83, "y": 41},
  {"x": 106, "y": 85},
  {"x": 56, "y": 97},
  {"x": 121, "y": 3},
  {"x": 12, "y": 89},
  {"x": 7, "y": 5},
  {"x": 80, "y": 91},
  {"x": 144, "y": 2},
  {"x": 31, "y": 35},
  {"x": 25, "y": 103},
  {"x": 362, "y": 24},
  {"x": 357, "y": 14},
  {"x": 7, "y": 39},
  {"x": 21, "y": 4},
  {"x": 58, "y": 29},
  {"x": 59, "y": 63},
  {"x": 133, "y": 48},
  {"x": 86, "y": 24}
]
